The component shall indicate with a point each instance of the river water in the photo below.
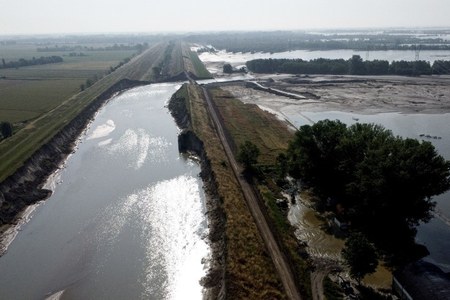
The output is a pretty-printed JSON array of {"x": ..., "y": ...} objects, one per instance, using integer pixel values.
[
  {"x": 127, "y": 217},
  {"x": 238, "y": 59}
]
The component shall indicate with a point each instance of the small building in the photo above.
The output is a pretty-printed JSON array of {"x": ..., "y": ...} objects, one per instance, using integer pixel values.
[{"x": 421, "y": 281}]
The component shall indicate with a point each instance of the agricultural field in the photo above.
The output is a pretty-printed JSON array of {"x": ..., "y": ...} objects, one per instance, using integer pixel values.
[{"x": 28, "y": 92}]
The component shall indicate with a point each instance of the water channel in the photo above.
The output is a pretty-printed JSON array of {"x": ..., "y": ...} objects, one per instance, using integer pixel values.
[{"x": 127, "y": 216}]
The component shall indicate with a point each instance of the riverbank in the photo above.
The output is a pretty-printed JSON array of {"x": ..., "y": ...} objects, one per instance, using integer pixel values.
[
  {"x": 25, "y": 187},
  {"x": 244, "y": 269}
]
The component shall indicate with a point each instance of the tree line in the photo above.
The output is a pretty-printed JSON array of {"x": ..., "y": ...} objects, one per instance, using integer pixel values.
[
  {"x": 30, "y": 62},
  {"x": 116, "y": 47},
  {"x": 352, "y": 66},
  {"x": 281, "y": 41}
]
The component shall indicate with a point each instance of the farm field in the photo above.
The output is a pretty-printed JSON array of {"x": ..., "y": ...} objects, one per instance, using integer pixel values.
[{"x": 28, "y": 92}]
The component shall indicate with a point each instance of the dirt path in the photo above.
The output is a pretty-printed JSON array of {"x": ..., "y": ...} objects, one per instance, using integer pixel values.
[
  {"x": 278, "y": 258},
  {"x": 317, "y": 278}
]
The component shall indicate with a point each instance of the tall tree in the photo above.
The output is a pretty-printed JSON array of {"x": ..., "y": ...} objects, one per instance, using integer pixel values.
[
  {"x": 227, "y": 68},
  {"x": 385, "y": 183},
  {"x": 6, "y": 129},
  {"x": 360, "y": 256},
  {"x": 248, "y": 154}
]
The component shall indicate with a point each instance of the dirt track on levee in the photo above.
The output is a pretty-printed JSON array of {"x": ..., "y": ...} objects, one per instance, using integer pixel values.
[{"x": 278, "y": 258}]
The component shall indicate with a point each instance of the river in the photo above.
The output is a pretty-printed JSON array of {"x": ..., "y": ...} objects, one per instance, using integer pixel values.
[{"x": 127, "y": 216}]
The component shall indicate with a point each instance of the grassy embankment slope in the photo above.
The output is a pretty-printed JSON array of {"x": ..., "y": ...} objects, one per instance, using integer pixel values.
[
  {"x": 246, "y": 122},
  {"x": 249, "y": 271},
  {"x": 41, "y": 100}
]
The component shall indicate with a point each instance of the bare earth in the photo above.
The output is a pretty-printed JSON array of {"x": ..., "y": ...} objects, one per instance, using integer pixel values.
[{"x": 361, "y": 94}]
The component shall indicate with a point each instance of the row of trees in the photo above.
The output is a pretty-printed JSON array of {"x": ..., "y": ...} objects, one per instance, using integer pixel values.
[
  {"x": 116, "y": 47},
  {"x": 90, "y": 81},
  {"x": 384, "y": 183},
  {"x": 31, "y": 62},
  {"x": 353, "y": 66}
]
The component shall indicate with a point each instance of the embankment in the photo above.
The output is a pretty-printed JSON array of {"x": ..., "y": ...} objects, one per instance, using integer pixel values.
[
  {"x": 25, "y": 186},
  {"x": 188, "y": 142}
]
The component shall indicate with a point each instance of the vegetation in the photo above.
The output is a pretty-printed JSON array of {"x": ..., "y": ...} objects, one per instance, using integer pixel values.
[
  {"x": 227, "y": 68},
  {"x": 332, "y": 291},
  {"x": 193, "y": 64},
  {"x": 248, "y": 123},
  {"x": 280, "y": 41},
  {"x": 116, "y": 47},
  {"x": 382, "y": 184},
  {"x": 249, "y": 271},
  {"x": 360, "y": 256},
  {"x": 353, "y": 66},
  {"x": 248, "y": 154},
  {"x": 41, "y": 108},
  {"x": 31, "y": 62},
  {"x": 6, "y": 130}
]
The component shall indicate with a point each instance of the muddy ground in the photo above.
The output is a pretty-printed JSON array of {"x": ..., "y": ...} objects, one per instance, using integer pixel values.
[{"x": 360, "y": 94}]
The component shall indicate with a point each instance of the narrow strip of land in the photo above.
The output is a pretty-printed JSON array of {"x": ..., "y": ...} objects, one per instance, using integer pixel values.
[{"x": 278, "y": 258}]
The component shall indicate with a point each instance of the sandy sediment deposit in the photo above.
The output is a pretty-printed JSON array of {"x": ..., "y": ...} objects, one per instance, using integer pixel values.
[{"x": 362, "y": 94}]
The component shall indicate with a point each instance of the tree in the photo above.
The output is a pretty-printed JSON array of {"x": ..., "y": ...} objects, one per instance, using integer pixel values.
[
  {"x": 6, "y": 129},
  {"x": 360, "y": 256},
  {"x": 248, "y": 154},
  {"x": 227, "y": 68},
  {"x": 385, "y": 183},
  {"x": 357, "y": 66}
]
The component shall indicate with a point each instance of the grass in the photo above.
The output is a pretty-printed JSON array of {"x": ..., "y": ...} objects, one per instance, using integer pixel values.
[
  {"x": 250, "y": 273},
  {"x": 331, "y": 290},
  {"x": 245, "y": 122},
  {"x": 28, "y": 92},
  {"x": 50, "y": 104},
  {"x": 23, "y": 100},
  {"x": 193, "y": 64}
]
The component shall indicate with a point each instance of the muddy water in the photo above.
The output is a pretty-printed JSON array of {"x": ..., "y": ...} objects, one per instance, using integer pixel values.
[
  {"x": 435, "y": 235},
  {"x": 127, "y": 217}
]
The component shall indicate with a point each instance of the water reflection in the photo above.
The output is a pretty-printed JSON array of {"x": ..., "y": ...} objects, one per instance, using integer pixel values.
[{"x": 126, "y": 220}]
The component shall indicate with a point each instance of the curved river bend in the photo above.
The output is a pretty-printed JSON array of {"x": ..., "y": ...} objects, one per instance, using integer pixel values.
[{"x": 127, "y": 217}]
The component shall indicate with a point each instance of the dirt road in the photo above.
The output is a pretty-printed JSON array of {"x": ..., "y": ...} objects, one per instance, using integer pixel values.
[{"x": 277, "y": 256}]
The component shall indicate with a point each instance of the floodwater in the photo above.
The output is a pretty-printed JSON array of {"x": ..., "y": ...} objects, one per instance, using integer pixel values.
[
  {"x": 238, "y": 59},
  {"x": 127, "y": 217},
  {"x": 435, "y": 235}
]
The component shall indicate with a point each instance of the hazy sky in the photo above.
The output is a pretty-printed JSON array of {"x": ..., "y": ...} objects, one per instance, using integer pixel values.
[{"x": 78, "y": 16}]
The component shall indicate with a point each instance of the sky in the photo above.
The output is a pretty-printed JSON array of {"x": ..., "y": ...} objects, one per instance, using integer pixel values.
[{"x": 116, "y": 16}]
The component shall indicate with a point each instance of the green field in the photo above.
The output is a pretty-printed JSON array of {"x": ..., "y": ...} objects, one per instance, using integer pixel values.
[
  {"x": 193, "y": 64},
  {"x": 28, "y": 92}
]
